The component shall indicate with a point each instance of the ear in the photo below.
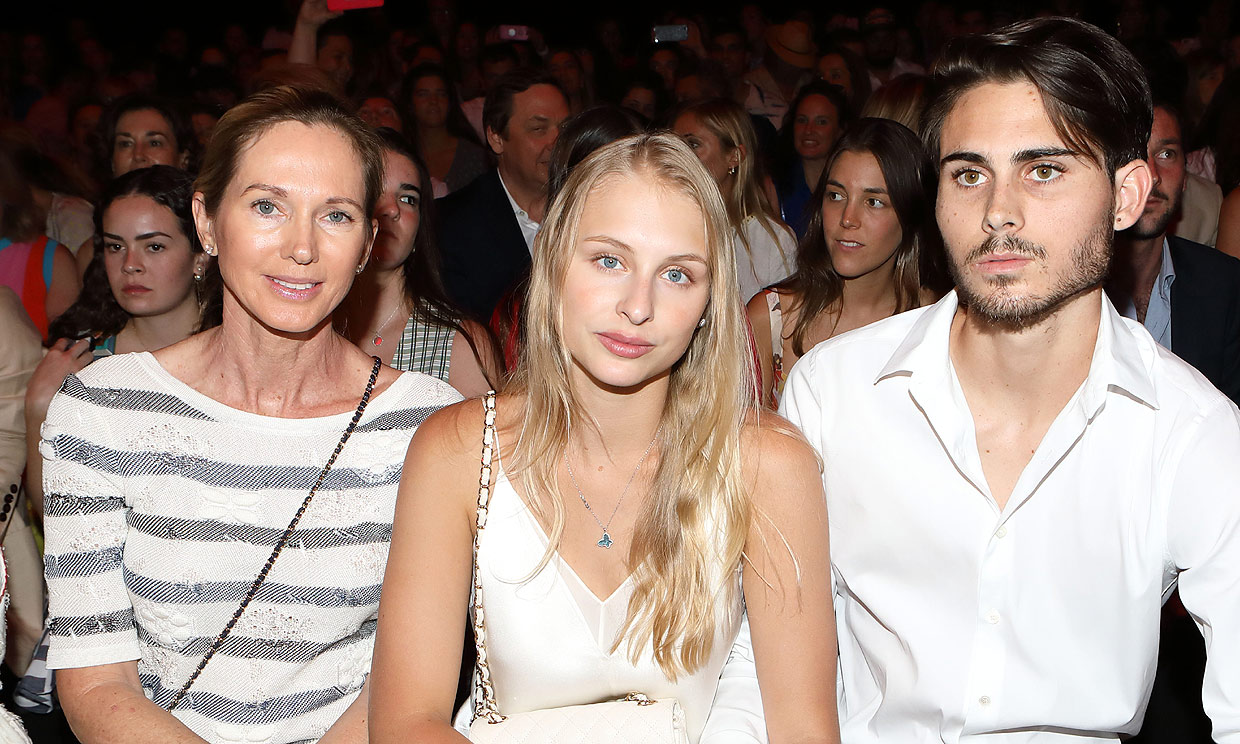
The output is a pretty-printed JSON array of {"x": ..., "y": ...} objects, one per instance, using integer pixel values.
[
  {"x": 204, "y": 224},
  {"x": 1132, "y": 185},
  {"x": 370, "y": 244},
  {"x": 201, "y": 261},
  {"x": 495, "y": 140},
  {"x": 736, "y": 156},
  {"x": 183, "y": 160}
]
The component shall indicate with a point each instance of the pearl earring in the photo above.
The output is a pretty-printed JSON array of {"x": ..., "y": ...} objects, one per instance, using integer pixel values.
[{"x": 702, "y": 323}]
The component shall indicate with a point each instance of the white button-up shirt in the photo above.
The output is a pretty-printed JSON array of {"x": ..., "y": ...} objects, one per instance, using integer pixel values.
[
  {"x": 959, "y": 621},
  {"x": 529, "y": 228}
]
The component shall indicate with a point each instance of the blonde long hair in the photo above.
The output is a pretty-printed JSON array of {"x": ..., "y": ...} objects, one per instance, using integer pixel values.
[
  {"x": 689, "y": 542},
  {"x": 730, "y": 123}
]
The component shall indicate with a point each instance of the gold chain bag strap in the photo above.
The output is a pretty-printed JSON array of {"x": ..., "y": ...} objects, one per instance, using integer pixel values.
[
  {"x": 282, "y": 541},
  {"x": 633, "y": 719}
]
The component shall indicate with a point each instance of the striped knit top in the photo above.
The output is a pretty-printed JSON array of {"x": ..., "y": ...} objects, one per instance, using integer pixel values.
[{"x": 163, "y": 504}]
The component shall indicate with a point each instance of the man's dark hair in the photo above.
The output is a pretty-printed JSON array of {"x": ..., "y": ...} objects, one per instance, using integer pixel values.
[
  {"x": 497, "y": 109},
  {"x": 1094, "y": 90}
]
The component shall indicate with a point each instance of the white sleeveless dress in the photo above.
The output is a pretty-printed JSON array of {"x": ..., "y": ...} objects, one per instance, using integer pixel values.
[{"x": 549, "y": 637}]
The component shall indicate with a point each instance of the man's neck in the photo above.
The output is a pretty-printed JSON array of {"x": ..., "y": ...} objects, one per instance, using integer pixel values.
[
  {"x": 530, "y": 198},
  {"x": 1028, "y": 372},
  {"x": 1135, "y": 269}
]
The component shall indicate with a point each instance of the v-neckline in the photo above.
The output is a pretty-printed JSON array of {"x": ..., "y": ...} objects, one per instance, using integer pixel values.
[{"x": 528, "y": 515}]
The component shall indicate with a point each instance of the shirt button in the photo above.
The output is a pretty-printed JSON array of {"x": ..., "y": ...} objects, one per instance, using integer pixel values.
[
  {"x": 1001, "y": 533},
  {"x": 984, "y": 700},
  {"x": 992, "y": 617}
]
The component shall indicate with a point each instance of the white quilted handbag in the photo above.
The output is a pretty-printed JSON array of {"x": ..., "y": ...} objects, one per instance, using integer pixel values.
[{"x": 636, "y": 719}]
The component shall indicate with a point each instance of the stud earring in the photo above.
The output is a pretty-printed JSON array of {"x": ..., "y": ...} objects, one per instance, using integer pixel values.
[
  {"x": 702, "y": 323},
  {"x": 732, "y": 171},
  {"x": 197, "y": 277},
  {"x": 360, "y": 269}
]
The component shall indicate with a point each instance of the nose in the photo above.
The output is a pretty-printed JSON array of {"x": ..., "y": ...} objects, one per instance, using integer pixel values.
[
  {"x": 1003, "y": 213},
  {"x": 133, "y": 262},
  {"x": 637, "y": 302},
  {"x": 302, "y": 246},
  {"x": 851, "y": 216},
  {"x": 387, "y": 208},
  {"x": 140, "y": 152}
]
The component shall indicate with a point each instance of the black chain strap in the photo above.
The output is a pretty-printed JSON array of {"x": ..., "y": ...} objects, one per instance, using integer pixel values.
[{"x": 284, "y": 538}]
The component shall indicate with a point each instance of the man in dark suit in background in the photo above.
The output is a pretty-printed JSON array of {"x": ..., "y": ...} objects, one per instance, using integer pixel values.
[
  {"x": 486, "y": 230},
  {"x": 1186, "y": 294}
]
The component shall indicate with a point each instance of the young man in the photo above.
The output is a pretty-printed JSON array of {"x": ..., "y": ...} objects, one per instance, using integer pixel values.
[{"x": 1017, "y": 476}]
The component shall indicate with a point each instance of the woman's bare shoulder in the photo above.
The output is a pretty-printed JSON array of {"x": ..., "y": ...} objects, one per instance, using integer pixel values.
[{"x": 773, "y": 447}]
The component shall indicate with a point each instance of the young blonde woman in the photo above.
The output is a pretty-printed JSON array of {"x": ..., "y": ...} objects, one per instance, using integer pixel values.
[
  {"x": 634, "y": 484},
  {"x": 860, "y": 259},
  {"x": 721, "y": 134}
]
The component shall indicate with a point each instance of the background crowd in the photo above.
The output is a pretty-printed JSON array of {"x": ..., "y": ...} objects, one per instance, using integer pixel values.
[{"x": 482, "y": 112}]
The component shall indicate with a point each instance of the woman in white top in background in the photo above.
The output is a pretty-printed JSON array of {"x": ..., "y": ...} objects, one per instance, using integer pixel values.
[
  {"x": 635, "y": 484},
  {"x": 721, "y": 134}
]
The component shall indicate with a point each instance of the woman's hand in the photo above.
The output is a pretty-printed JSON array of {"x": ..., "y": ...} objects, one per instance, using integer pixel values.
[{"x": 64, "y": 358}]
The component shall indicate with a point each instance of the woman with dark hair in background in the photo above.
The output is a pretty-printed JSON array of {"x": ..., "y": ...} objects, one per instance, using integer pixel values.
[
  {"x": 446, "y": 141},
  {"x": 397, "y": 309},
  {"x": 138, "y": 131},
  {"x": 647, "y": 96},
  {"x": 819, "y": 115},
  {"x": 859, "y": 260},
  {"x": 149, "y": 285},
  {"x": 721, "y": 134}
]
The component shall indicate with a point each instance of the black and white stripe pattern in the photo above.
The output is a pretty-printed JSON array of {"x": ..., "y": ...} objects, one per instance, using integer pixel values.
[{"x": 162, "y": 505}]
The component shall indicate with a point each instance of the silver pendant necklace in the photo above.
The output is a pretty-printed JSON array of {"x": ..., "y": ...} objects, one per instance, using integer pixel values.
[
  {"x": 377, "y": 338},
  {"x": 606, "y": 541}
]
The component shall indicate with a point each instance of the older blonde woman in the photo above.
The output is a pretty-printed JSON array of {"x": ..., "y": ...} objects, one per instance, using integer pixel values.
[{"x": 218, "y": 512}]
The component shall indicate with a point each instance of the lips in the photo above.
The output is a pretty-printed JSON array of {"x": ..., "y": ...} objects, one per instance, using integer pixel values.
[
  {"x": 629, "y": 347},
  {"x": 1000, "y": 263},
  {"x": 135, "y": 289},
  {"x": 294, "y": 288}
]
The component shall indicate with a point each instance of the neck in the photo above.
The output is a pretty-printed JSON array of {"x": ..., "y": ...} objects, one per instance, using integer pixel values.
[
  {"x": 1135, "y": 268},
  {"x": 377, "y": 295},
  {"x": 274, "y": 373},
  {"x": 873, "y": 293},
  {"x": 813, "y": 171},
  {"x": 530, "y": 197},
  {"x": 1032, "y": 369},
  {"x": 434, "y": 138},
  {"x": 626, "y": 419},
  {"x": 154, "y": 332}
]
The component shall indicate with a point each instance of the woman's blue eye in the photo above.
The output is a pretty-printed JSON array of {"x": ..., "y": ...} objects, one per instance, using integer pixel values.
[
  {"x": 265, "y": 207},
  {"x": 676, "y": 276},
  {"x": 339, "y": 217},
  {"x": 609, "y": 262}
]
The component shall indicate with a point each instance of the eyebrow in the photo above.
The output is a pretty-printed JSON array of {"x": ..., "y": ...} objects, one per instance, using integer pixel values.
[
  {"x": 866, "y": 190},
  {"x": 1020, "y": 156},
  {"x": 621, "y": 245},
  {"x": 143, "y": 236},
  {"x": 282, "y": 193},
  {"x": 409, "y": 187}
]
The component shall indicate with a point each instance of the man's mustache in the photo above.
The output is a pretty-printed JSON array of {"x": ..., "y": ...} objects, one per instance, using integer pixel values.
[{"x": 1005, "y": 244}]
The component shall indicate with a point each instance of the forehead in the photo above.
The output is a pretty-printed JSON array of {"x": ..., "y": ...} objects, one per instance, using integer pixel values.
[
  {"x": 998, "y": 119},
  {"x": 815, "y": 105},
  {"x": 539, "y": 100},
  {"x": 859, "y": 168},
  {"x": 303, "y": 158},
  {"x": 127, "y": 213},
  {"x": 398, "y": 168},
  {"x": 1165, "y": 128},
  {"x": 142, "y": 120},
  {"x": 645, "y": 213}
]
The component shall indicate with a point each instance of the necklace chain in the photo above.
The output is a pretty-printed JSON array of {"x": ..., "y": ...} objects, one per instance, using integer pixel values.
[
  {"x": 606, "y": 540},
  {"x": 377, "y": 337}
]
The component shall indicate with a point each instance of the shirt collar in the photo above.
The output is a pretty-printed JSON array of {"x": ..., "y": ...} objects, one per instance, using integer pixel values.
[
  {"x": 1166, "y": 275},
  {"x": 516, "y": 208},
  {"x": 1117, "y": 360}
]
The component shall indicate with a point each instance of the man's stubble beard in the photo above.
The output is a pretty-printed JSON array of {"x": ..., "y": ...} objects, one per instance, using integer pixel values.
[{"x": 1091, "y": 258}]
